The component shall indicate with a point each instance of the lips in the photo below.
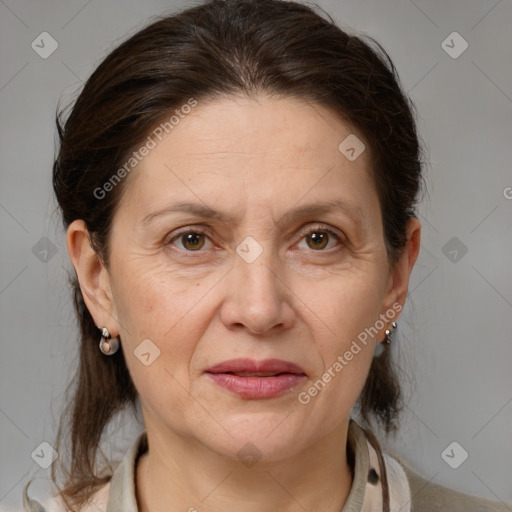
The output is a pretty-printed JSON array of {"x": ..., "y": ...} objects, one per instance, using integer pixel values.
[
  {"x": 251, "y": 368},
  {"x": 251, "y": 379}
]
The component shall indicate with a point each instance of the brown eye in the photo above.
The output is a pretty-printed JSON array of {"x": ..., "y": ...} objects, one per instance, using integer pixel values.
[
  {"x": 319, "y": 239},
  {"x": 192, "y": 241}
]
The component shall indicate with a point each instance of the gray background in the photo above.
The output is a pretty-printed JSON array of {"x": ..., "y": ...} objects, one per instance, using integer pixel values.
[{"x": 455, "y": 334}]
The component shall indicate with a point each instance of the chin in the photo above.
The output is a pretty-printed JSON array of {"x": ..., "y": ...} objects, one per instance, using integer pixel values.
[{"x": 271, "y": 436}]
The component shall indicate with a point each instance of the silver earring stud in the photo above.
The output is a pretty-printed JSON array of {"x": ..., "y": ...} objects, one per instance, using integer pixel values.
[
  {"x": 108, "y": 345},
  {"x": 388, "y": 332}
]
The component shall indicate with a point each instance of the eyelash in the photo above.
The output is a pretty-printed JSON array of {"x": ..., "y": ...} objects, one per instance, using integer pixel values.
[{"x": 204, "y": 231}]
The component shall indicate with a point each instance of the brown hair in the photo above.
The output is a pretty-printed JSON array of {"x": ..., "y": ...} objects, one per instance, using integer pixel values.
[{"x": 223, "y": 47}]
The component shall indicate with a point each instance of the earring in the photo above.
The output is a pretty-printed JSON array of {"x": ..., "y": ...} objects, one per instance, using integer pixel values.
[
  {"x": 108, "y": 345},
  {"x": 388, "y": 332}
]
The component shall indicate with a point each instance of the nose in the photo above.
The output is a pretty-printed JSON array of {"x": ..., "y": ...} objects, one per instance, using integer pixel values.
[{"x": 257, "y": 298}]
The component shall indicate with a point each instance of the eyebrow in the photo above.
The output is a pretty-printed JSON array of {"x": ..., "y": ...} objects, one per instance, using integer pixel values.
[{"x": 202, "y": 210}]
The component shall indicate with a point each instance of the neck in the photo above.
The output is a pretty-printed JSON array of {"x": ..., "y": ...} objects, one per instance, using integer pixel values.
[{"x": 179, "y": 474}]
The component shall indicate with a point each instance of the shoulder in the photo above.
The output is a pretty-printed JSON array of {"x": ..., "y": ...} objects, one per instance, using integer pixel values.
[
  {"x": 410, "y": 491},
  {"x": 117, "y": 490},
  {"x": 431, "y": 497},
  {"x": 98, "y": 501}
]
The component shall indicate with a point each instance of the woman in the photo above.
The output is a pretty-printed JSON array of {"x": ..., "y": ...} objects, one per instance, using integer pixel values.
[{"x": 238, "y": 184}]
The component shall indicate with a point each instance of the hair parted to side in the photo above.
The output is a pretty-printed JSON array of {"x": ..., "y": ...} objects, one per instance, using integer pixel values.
[{"x": 219, "y": 48}]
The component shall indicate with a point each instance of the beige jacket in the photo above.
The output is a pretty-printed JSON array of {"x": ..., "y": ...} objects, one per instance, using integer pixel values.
[{"x": 408, "y": 491}]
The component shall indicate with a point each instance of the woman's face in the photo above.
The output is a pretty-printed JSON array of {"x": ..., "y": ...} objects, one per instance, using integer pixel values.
[{"x": 287, "y": 263}]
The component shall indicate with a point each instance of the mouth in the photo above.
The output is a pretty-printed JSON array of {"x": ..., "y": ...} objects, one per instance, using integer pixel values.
[
  {"x": 251, "y": 379},
  {"x": 254, "y": 374},
  {"x": 252, "y": 368}
]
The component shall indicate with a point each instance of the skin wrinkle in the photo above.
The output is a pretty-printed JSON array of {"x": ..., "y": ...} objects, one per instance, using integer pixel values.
[
  {"x": 292, "y": 304},
  {"x": 202, "y": 211}
]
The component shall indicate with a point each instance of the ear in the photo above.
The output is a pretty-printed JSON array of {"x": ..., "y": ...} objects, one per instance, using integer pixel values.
[
  {"x": 398, "y": 282},
  {"x": 92, "y": 276}
]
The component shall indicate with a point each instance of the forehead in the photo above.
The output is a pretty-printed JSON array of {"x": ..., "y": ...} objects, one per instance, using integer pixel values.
[
  {"x": 274, "y": 127},
  {"x": 253, "y": 150}
]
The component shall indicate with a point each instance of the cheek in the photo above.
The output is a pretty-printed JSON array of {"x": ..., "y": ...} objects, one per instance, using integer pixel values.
[
  {"x": 159, "y": 305},
  {"x": 344, "y": 306},
  {"x": 341, "y": 309},
  {"x": 173, "y": 313},
  {"x": 150, "y": 298}
]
